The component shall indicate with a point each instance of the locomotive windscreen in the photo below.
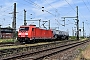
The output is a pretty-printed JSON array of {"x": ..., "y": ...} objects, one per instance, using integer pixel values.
[{"x": 24, "y": 28}]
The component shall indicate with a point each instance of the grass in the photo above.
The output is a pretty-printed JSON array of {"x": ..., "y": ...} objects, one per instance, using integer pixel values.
[
  {"x": 84, "y": 54},
  {"x": 6, "y": 40},
  {"x": 80, "y": 54},
  {"x": 72, "y": 37},
  {"x": 80, "y": 38}
]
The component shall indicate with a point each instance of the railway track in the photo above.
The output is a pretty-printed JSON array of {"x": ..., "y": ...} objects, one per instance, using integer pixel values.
[
  {"x": 13, "y": 44},
  {"x": 6, "y": 44},
  {"x": 45, "y": 51},
  {"x": 3, "y": 45},
  {"x": 9, "y": 44}
]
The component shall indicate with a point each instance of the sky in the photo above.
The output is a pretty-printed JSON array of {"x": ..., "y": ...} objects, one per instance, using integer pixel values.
[{"x": 54, "y": 10}]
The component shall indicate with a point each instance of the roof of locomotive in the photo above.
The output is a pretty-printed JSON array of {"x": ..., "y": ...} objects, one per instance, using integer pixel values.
[
  {"x": 27, "y": 25},
  {"x": 34, "y": 26}
]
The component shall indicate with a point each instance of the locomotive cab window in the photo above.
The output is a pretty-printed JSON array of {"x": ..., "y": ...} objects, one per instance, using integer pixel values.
[
  {"x": 32, "y": 29},
  {"x": 24, "y": 28}
]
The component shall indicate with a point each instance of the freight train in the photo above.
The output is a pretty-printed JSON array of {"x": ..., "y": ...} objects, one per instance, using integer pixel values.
[{"x": 31, "y": 33}]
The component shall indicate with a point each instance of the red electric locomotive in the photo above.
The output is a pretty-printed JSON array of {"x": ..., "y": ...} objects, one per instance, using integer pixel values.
[{"x": 32, "y": 33}]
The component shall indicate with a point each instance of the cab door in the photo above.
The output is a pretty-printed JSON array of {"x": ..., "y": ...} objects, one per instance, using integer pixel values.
[{"x": 33, "y": 33}]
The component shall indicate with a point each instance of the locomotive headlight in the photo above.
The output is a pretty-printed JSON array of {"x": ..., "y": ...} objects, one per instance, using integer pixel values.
[
  {"x": 19, "y": 34},
  {"x": 26, "y": 33}
]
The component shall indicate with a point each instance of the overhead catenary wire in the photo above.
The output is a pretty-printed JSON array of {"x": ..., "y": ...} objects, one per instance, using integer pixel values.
[
  {"x": 88, "y": 2},
  {"x": 57, "y": 15},
  {"x": 70, "y": 5},
  {"x": 56, "y": 10},
  {"x": 31, "y": 3},
  {"x": 40, "y": 7},
  {"x": 82, "y": 16},
  {"x": 4, "y": 14},
  {"x": 87, "y": 25},
  {"x": 86, "y": 5},
  {"x": 5, "y": 10},
  {"x": 35, "y": 4},
  {"x": 74, "y": 10}
]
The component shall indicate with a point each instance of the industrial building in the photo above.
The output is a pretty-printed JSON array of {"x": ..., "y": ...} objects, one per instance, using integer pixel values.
[{"x": 6, "y": 33}]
